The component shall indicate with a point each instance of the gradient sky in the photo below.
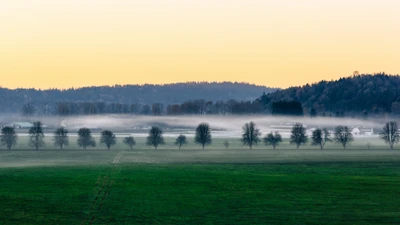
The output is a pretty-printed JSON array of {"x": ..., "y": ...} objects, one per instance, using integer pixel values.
[{"x": 280, "y": 43}]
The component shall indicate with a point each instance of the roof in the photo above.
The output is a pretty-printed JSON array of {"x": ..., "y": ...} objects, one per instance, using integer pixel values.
[{"x": 23, "y": 124}]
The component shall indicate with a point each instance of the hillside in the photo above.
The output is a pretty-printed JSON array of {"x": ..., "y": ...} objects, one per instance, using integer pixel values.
[
  {"x": 12, "y": 100},
  {"x": 362, "y": 94}
]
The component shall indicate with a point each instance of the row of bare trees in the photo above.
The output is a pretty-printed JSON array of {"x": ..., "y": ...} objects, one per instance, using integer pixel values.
[
  {"x": 251, "y": 136},
  {"x": 342, "y": 135}
]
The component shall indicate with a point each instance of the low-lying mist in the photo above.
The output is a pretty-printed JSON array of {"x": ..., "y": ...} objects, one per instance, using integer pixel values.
[{"x": 221, "y": 125}]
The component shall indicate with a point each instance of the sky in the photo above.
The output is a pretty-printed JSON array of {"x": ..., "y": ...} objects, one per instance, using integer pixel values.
[{"x": 278, "y": 43}]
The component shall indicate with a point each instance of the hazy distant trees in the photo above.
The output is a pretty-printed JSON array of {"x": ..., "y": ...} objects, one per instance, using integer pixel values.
[
  {"x": 36, "y": 135},
  {"x": 157, "y": 109},
  {"x": 226, "y": 144},
  {"x": 343, "y": 136},
  {"x": 273, "y": 139},
  {"x": 108, "y": 138},
  {"x": 250, "y": 135},
  {"x": 130, "y": 141},
  {"x": 155, "y": 137},
  {"x": 390, "y": 133},
  {"x": 85, "y": 138},
  {"x": 313, "y": 112},
  {"x": 28, "y": 109},
  {"x": 60, "y": 138},
  {"x": 203, "y": 135},
  {"x": 180, "y": 141},
  {"x": 320, "y": 137},
  {"x": 298, "y": 135},
  {"x": 8, "y": 137}
]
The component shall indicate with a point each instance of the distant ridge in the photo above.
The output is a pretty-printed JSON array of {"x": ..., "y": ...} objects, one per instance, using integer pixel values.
[
  {"x": 358, "y": 94},
  {"x": 11, "y": 100}
]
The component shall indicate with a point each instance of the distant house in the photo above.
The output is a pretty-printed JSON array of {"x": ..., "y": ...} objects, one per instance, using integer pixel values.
[
  {"x": 21, "y": 125},
  {"x": 365, "y": 131}
]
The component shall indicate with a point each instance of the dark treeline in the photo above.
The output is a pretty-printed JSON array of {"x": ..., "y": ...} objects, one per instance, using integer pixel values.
[
  {"x": 199, "y": 107},
  {"x": 12, "y": 100},
  {"x": 358, "y": 95}
]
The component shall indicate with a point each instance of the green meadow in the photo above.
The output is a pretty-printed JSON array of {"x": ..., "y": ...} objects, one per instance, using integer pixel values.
[
  {"x": 194, "y": 186},
  {"x": 126, "y": 193}
]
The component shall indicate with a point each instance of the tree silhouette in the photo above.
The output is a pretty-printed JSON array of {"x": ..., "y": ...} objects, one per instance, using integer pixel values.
[
  {"x": 28, "y": 109},
  {"x": 390, "y": 133},
  {"x": 108, "y": 138},
  {"x": 60, "y": 138},
  {"x": 250, "y": 135},
  {"x": 155, "y": 137},
  {"x": 85, "y": 138},
  {"x": 273, "y": 139},
  {"x": 320, "y": 137},
  {"x": 36, "y": 135},
  {"x": 203, "y": 135},
  {"x": 343, "y": 136},
  {"x": 298, "y": 135},
  {"x": 8, "y": 137},
  {"x": 130, "y": 141},
  {"x": 180, "y": 141}
]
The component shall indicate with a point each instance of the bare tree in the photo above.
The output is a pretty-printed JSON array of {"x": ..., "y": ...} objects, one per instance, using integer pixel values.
[
  {"x": 390, "y": 134},
  {"x": 273, "y": 139},
  {"x": 61, "y": 137},
  {"x": 130, "y": 141},
  {"x": 320, "y": 137},
  {"x": 250, "y": 135},
  {"x": 180, "y": 141},
  {"x": 343, "y": 136},
  {"x": 8, "y": 137},
  {"x": 155, "y": 137},
  {"x": 108, "y": 138},
  {"x": 203, "y": 135},
  {"x": 36, "y": 135},
  {"x": 85, "y": 138},
  {"x": 298, "y": 135},
  {"x": 28, "y": 109}
]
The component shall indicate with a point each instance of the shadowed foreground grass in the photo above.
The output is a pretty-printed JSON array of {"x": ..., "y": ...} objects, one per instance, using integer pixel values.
[{"x": 330, "y": 193}]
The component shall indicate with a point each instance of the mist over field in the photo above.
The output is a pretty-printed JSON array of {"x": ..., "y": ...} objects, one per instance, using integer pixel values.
[{"x": 222, "y": 126}]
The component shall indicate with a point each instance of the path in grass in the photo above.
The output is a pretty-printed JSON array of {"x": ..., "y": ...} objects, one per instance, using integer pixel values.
[{"x": 104, "y": 184}]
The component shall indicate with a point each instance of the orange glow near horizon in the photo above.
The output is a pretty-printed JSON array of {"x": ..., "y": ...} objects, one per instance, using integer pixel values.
[{"x": 277, "y": 43}]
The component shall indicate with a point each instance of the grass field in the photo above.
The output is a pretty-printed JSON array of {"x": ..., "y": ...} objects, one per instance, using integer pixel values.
[
  {"x": 330, "y": 193},
  {"x": 193, "y": 186}
]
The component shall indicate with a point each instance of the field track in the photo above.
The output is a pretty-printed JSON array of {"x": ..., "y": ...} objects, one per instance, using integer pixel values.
[{"x": 104, "y": 185}]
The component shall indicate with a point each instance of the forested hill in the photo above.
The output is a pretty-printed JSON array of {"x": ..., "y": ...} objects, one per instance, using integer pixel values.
[
  {"x": 12, "y": 100},
  {"x": 379, "y": 93}
]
